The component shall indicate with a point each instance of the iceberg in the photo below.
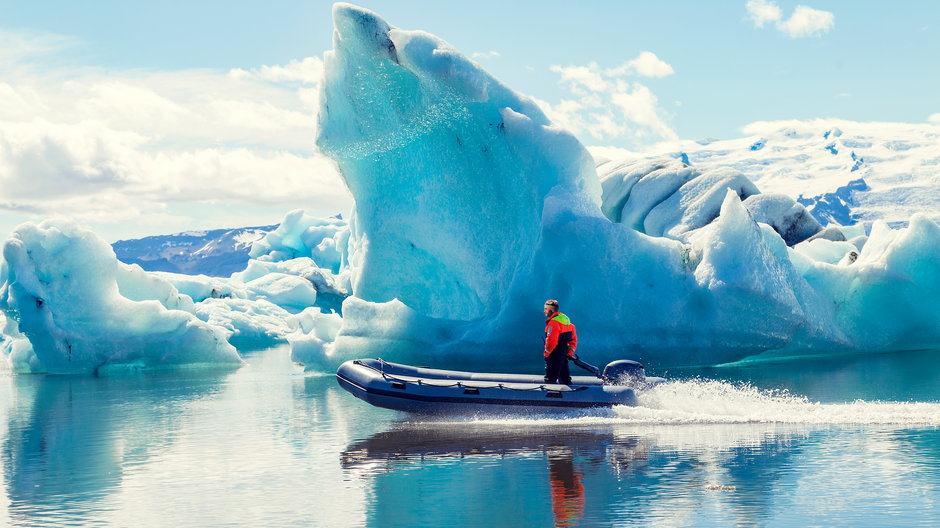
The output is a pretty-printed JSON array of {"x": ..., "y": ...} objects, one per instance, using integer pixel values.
[
  {"x": 17, "y": 349},
  {"x": 472, "y": 208},
  {"x": 420, "y": 132},
  {"x": 82, "y": 311},
  {"x": 248, "y": 323},
  {"x": 312, "y": 338},
  {"x": 303, "y": 235}
]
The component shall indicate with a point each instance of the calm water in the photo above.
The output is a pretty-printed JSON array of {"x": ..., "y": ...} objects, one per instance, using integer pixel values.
[{"x": 854, "y": 442}]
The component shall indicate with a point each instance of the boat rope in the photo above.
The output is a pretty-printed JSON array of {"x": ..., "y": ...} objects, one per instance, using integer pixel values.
[{"x": 426, "y": 383}]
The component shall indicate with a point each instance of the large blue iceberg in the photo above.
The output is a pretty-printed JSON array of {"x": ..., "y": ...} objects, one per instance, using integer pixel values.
[{"x": 472, "y": 208}]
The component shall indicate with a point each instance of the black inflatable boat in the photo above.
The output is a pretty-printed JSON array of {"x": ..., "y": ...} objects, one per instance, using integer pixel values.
[{"x": 433, "y": 391}]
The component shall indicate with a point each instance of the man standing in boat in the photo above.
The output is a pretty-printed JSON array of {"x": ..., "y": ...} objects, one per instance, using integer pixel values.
[{"x": 561, "y": 340}]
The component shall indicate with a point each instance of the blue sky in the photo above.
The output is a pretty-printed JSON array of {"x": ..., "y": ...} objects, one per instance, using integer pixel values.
[{"x": 199, "y": 109}]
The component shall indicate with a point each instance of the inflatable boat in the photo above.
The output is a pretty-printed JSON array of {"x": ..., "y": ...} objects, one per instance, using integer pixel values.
[{"x": 434, "y": 391}]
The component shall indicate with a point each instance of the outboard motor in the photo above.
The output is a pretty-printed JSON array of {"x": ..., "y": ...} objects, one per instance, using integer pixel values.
[
  {"x": 624, "y": 372},
  {"x": 620, "y": 372}
]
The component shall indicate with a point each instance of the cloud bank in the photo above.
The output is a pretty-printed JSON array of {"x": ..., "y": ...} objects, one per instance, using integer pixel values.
[{"x": 131, "y": 149}]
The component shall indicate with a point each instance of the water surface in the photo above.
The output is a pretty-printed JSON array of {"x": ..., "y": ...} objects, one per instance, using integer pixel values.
[{"x": 830, "y": 442}]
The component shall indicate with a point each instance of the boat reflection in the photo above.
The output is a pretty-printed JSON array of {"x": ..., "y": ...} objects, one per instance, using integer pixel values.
[
  {"x": 564, "y": 476},
  {"x": 424, "y": 442}
]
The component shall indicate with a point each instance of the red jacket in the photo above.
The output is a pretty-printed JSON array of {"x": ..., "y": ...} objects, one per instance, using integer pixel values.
[{"x": 559, "y": 332}]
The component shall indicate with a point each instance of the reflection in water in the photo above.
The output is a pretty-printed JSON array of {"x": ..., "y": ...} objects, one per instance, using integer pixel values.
[
  {"x": 568, "y": 477},
  {"x": 75, "y": 436},
  {"x": 566, "y": 486}
]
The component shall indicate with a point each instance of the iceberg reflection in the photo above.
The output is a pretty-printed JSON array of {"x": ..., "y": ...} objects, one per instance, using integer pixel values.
[{"x": 71, "y": 440}]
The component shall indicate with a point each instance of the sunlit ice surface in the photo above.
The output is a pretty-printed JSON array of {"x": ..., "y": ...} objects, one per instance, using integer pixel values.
[{"x": 786, "y": 443}]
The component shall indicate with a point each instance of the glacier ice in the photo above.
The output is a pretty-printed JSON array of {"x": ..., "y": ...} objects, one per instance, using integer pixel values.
[
  {"x": 329, "y": 289},
  {"x": 75, "y": 277},
  {"x": 303, "y": 235},
  {"x": 696, "y": 203},
  {"x": 17, "y": 348},
  {"x": 419, "y": 131},
  {"x": 788, "y": 218},
  {"x": 312, "y": 337},
  {"x": 61, "y": 286},
  {"x": 472, "y": 208},
  {"x": 249, "y": 323}
]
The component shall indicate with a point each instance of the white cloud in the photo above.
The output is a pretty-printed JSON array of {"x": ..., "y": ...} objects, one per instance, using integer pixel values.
[
  {"x": 639, "y": 105},
  {"x": 762, "y": 12},
  {"x": 305, "y": 71},
  {"x": 804, "y": 22},
  {"x": 581, "y": 79},
  {"x": 646, "y": 64},
  {"x": 934, "y": 118},
  {"x": 485, "y": 54},
  {"x": 608, "y": 106},
  {"x": 130, "y": 151},
  {"x": 807, "y": 22}
]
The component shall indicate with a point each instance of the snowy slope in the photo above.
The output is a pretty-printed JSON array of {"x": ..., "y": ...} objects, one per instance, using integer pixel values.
[
  {"x": 843, "y": 171},
  {"x": 217, "y": 253}
]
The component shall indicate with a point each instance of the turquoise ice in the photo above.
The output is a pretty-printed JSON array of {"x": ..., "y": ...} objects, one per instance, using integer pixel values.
[{"x": 472, "y": 208}]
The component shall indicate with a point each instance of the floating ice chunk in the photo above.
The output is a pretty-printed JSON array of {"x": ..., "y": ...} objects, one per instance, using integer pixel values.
[
  {"x": 138, "y": 285},
  {"x": 752, "y": 295},
  {"x": 303, "y": 235},
  {"x": 696, "y": 203},
  {"x": 250, "y": 323},
  {"x": 652, "y": 189},
  {"x": 62, "y": 288},
  {"x": 888, "y": 305},
  {"x": 284, "y": 290},
  {"x": 618, "y": 179},
  {"x": 202, "y": 287},
  {"x": 831, "y": 232},
  {"x": 788, "y": 218},
  {"x": 389, "y": 329},
  {"x": 853, "y": 231},
  {"x": 859, "y": 241},
  {"x": 312, "y": 339},
  {"x": 20, "y": 354},
  {"x": 325, "y": 282},
  {"x": 17, "y": 350},
  {"x": 823, "y": 250}
]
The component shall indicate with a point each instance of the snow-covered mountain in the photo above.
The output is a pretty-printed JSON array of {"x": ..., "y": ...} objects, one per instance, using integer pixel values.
[
  {"x": 842, "y": 171},
  {"x": 217, "y": 253}
]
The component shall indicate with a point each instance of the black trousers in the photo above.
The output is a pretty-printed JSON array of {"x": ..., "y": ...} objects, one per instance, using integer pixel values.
[{"x": 556, "y": 367}]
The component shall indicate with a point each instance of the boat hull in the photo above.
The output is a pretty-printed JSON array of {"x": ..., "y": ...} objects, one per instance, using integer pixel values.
[{"x": 433, "y": 391}]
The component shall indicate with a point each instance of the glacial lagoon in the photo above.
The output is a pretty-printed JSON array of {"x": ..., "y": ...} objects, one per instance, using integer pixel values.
[{"x": 830, "y": 442}]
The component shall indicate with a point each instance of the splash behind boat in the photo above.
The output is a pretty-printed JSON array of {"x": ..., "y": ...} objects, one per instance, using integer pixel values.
[{"x": 433, "y": 391}]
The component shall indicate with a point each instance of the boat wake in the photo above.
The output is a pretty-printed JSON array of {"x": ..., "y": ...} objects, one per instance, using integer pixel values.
[{"x": 704, "y": 401}]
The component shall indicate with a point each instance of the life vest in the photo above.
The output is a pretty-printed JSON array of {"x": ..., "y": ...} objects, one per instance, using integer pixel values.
[{"x": 560, "y": 335}]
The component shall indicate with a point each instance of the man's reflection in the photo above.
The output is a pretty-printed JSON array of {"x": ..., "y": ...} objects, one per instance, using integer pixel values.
[{"x": 566, "y": 486}]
